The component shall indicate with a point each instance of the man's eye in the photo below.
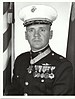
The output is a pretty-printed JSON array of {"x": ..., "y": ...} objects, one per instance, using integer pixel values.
[
  {"x": 43, "y": 30},
  {"x": 31, "y": 30}
]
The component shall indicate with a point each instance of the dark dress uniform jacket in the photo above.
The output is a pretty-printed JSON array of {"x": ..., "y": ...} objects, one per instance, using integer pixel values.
[{"x": 24, "y": 83}]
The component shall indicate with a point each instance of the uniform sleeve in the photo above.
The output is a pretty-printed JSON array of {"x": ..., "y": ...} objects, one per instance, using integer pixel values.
[{"x": 63, "y": 84}]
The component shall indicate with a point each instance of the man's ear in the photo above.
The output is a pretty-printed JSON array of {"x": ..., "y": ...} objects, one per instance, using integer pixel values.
[
  {"x": 26, "y": 35},
  {"x": 51, "y": 34}
]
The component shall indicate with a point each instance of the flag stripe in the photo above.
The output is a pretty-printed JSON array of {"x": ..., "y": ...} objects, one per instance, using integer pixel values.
[
  {"x": 6, "y": 74},
  {"x": 6, "y": 38},
  {"x": 5, "y": 7},
  {"x": 5, "y": 22},
  {"x": 6, "y": 55},
  {"x": 7, "y": 43},
  {"x": 70, "y": 54},
  {"x": 6, "y": 46},
  {"x": 71, "y": 38}
]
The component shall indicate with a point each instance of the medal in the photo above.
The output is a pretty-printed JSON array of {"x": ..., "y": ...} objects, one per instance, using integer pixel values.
[
  {"x": 46, "y": 75},
  {"x": 51, "y": 75},
  {"x": 40, "y": 56},
  {"x": 38, "y": 68},
  {"x": 30, "y": 68},
  {"x": 36, "y": 74},
  {"x": 42, "y": 75}
]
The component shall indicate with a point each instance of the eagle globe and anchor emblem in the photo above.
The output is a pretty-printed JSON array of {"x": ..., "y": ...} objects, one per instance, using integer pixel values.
[{"x": 33, "y": 9}]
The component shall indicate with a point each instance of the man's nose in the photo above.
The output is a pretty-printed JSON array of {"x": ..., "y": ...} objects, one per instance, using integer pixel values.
[{"x": 36, "y": 33}]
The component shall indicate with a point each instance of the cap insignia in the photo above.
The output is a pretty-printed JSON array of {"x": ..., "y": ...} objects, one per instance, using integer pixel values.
[{"x": 33, "y": 9}]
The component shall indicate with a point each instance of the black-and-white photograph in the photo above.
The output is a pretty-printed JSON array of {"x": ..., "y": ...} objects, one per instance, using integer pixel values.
[{"x": 38, "y": 48}]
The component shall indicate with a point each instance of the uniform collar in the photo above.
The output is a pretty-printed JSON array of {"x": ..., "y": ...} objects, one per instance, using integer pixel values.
[
  {"x": 34, "y": 54},
  {"x": 40, "y": 49}
]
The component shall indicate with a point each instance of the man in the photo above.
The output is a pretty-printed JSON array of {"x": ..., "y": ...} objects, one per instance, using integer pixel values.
[{"x": 40, "y": 71}]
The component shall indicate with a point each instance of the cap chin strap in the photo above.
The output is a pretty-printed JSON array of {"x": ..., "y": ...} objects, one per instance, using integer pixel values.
[{"x": 37, "y": 22}]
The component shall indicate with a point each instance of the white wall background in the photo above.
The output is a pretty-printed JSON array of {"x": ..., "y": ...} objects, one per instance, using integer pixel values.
[{"x": 59, "y": 27}]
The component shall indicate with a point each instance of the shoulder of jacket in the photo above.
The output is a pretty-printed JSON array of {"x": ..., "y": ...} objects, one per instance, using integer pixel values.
[
  {"x": 61, "y": 63},
  {"x": 20, "y": 61},
  {"x": 22, "y": 55},
  {"x": 59, "y": 58}
]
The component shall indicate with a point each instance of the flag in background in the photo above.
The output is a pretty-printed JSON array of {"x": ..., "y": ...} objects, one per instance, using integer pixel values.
[
  {"x": 7, "y": 41},
  {"x": 70, "y": 54}
]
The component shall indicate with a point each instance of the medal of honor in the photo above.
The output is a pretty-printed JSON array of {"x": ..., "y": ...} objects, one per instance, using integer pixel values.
[
  {"x": 35, "y": 74},
  {"x": 44, "y": 70}
]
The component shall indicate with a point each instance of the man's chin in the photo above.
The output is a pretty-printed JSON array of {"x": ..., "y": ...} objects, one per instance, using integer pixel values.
[{"x": 37, "y": 47}]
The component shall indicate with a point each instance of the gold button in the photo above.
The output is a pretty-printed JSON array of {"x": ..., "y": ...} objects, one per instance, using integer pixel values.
[
  {"x": 42, "y": 80},
  {"x": 26, "y": 83},
  {"x": 25, "y": 94},
  {"x": 52, "y": 54},
  {"x": 17, "y": 76}
]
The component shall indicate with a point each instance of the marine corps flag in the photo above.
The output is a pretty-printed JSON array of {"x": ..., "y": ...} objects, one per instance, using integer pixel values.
[
  {"x": 7, "y": 42},
  {"x": 71, "y": 40}
]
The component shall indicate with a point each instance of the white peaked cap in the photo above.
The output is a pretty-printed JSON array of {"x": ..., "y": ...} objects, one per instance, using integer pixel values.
[{"x": 37, "y": 12}]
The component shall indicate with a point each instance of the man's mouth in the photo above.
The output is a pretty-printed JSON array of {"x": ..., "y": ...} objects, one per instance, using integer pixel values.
[{"x": 37, "y": 40}]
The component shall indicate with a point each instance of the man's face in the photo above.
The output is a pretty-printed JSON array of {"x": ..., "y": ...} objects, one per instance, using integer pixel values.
[{"x": 38, "y": 36}]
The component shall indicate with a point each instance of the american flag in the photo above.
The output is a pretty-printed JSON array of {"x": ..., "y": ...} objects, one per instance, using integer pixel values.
[
  {"x": 71, "y": 40},
  {"x": 8, "y": 20}
]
